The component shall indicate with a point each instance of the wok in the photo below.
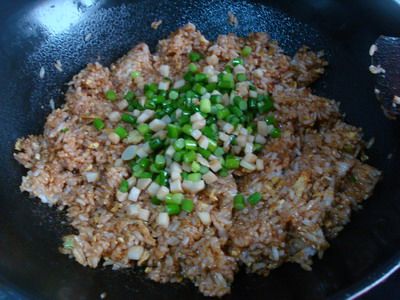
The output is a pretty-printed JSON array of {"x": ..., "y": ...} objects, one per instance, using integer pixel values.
[{"x": 38, "y": 33}]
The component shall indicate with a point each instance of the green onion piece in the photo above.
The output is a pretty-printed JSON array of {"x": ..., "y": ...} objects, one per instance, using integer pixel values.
[
  {"x": 232, "y": 162},
  {"x": 210, "y": 87},
  {"x": 241, "y": 77},
  {"x": 173, "y": 131},
  {"x": 199, "y": 89},
  {"x": 128, "y": 118},
  {"x": 246, "y": 51},
  {"x": 212, "y": 145},
  {"x": 223, "y": 172},
  {"x": 144, "y": 162},
  {"x": 205, "y": 106},
  {"x": 121, "y": 131},
  {"x": 196, "y": 167},
  {"x": 162, "y": 178},
  {"x": 223, "y": 114},
  {"x": 275, "y": 133},
  {"x": 205, "y": 153},
  {"x": 189, "y": 157},
  {"x": 187, "y": 128},
  {"x": 151, "y": 87},
  {"x": 173, "y": 95},
  {"x": 257, "y": 147},
  {"x": 111, "y": 95},
  {"x": 190, "y": 144},
  {"x": 155, "y": 144},
  {"x": 238, "y": 202},
  {"x": 159, "y": 161},
  {"x": 129, "y": 96},
  {"x": 144, "y": 175},
  {"x": 178, "y": 156},
  {"x": 254, "y": 198},
  {"x": 154, "y": 169},
  {"x": 237, "y": 61},
  {"x": 124, "y": 186},
  {"x": 187, "y": 205},
  {"x": 185, "y": 175},
  {"x": 195, "y": 56},
  {"x": 194, "y": 177},
  {"x": 219, "y": 151},
  {"x": 143, "y": 128},
  {"x": 215, "y": 99},
  {"x": 270, "y": 120},
  {"x": 135, "y": 74},
  {"x": 173, "y": 209},
  {"x": 155, "y": 200},
  {"x": 98, "y": 123},
  {"x": 179, "y": 144},
  {"x": 200, "y": 77},
  {"x": 192, "y": 68},
  {"x": 174, "y": 198}
]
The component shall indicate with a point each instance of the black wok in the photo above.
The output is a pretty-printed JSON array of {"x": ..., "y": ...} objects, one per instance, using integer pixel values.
[{"x": 37, "y": 33}]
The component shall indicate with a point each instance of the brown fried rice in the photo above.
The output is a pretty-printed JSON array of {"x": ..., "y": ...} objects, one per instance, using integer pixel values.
[{"x": 311, "y": 180}]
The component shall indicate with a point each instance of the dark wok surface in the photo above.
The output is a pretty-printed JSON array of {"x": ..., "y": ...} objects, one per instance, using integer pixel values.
[{"x": 37, "y": 33}]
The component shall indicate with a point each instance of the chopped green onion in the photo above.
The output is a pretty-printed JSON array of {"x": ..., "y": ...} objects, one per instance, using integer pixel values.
[
  {"x": 174, "y": 198},
  {"x": 257, "y": 147},
  {"x": 190, "y": 144},
  {"x": 205, "y": 153},
  {"x": 219, "y": 151},
  {"x": 223, "y": 172},
  {"x": 196, "y": 167},
  {"x": 254, "y": 198},
  {"x": 178, "y": 156},
  {"x": 155, "y": 200},
  {"x": 155, "y": 144},
  {"x": 192, "y": 68},
  {"x": 159, "y": 161},
  {"x": 135, "y": 74},
  {"x": 144, "y": 162},
  {"x": 187, "y": 205},
  {"x": 200, "y": 77},
  {"x": 232, "y": 162},
  {"x": 246, "y": 51},
  {"x": 238, "y": 202},
  {"x": 173, "y": 131},
  {"x": 189, "y": 157},
  {"x": 173, "y": 209},
  {"x": 128, "y": 118},
  {"x": 179, "y": 144},
  {"x": 212, "y": 145},
  {"x": 162, "y": 178},
  {"x": 187, "y": 128},
  {"x": 173, "y": 95},
  {"x": 129, "y": 96},
  {"x": 143, "y": 128},
  {"x": 215, "y": 99},
  {"x": 144, "y": 175},
  {"x": 237, "y": 61},
  {"x": 199, "y": 89},
  {"x": 241, "y": 77},
  {"x": 98, "y": 123},
  {"x": 205, "y": 106},
  {"x": 121, "y": 131},
  {"x": 270, "y": 120},
  {"x": 111, "y": 95},
  {"x": 275, "y": 133},
  {"x": 194, "y": 177},
  {"x": 195, "y": 56},
  {"x": 124, "y": 186}
]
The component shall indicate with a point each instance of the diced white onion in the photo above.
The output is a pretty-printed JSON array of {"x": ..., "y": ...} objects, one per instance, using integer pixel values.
[
  {"x": 223, "y": 136},
  {"x": 213, "y": 78},
  {"x": 118, "y": 163},
  {"x": 144, "y": 214},
  {"x": 245, "y": 164},
  {"x": 199, "y": 124},
  {"x": 129, "y": 153},
  {"x": 193, "y": 186},
  {"x": 262, "y": 128},
  {"x": 133, "y": 209},
  {"x": 176, "y": 171},
  {"x": 228, "y": 128},
  {"x": 248, "y": 148},
  {"x": 170, "y": 151},
  {"x": 241, "y": 140},
  {"x": 143, "y": 150},
  {"x": 164, "y": 70},
  {"x": 143, "y": 183},
  {"x": 135, "y": 252},
  {"x": 162, "y": 192},
  {"x": 122, "y": 104},
  {"x": 201, "y": 160},
  {"x": 163, "y": 85},
  {"x": 258, "y": 73},
  {"x": 121, "y": 197},
  {"x": 209, "y": 70},
  {"x": 209, "y": 177},
  {"x": 175, "y": 186},
  {"x": 178, "y": 84},
  {"x": 196, "y": 134},
  {"x": 166, "y": 119},
  {"x": 196, "y": 117},
  {"x": 212, "y": 59},
  {"x": 134, "y": 137},
  {"x": 136, "y": 113},
  {"x": 153, "y": 188},
  {"x": 260, "y": 139},
  {"x": 157, "y": 125},
  {"x": 134, "y": 194},
  {"x": 145, "y": 116},
  {"x": 163, "y": 219},
  {"x": 131, "y": 181},
  {"x": 91, "y": 176},
  {"x": 203, "y": 142},
  {"x": 239, "y": 69},
  {"x": 204, "y": 217},
  {"x": 250, "y": 157},
  {"x": 215, "y": 165},
  {"x": 259, "y": 164},
  {"x": 114, "y": 116},
  {"x": 206, "y": 96},
  {"x": 114, "y": 138},
  {"x": 253, "y": 94}
]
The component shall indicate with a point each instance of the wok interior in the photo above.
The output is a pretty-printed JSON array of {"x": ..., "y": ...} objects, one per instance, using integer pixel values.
[{"x": 31, "y": 232}]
